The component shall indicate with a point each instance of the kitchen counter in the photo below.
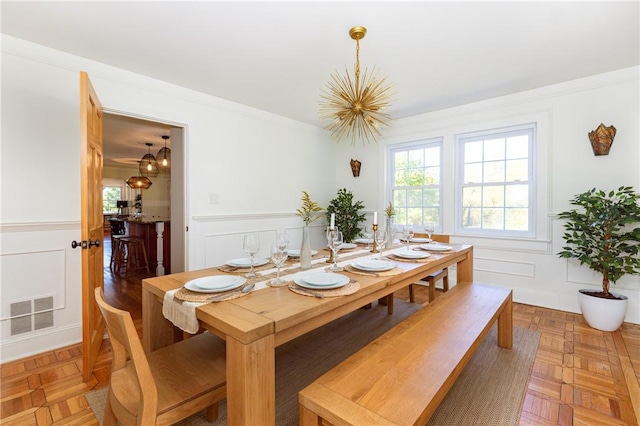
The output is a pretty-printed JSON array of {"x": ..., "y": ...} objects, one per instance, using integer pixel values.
[{"x": 157, "y": 241}]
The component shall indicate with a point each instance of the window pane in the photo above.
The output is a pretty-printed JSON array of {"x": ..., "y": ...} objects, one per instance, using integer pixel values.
[
  {"x": 517, "y": 170},
  {"x": 414, "y": 216},
  {"x": 494, "y": 171},
  {"x": 517, "y": 219},
  {"x": 471, "y": 218},
  {"x": 472, "y": 196},
  {"x": 416, "y": 177},
  {"x": 517, "y": 196},
  {"x": 492, "y": 218},
  {"x": 432, "y": 176},
  {"x": 473, "y": 152},
  {"x": 493, "y": 196},
  {"x": 431, "y": 197},
  {"x": 518, "y": 146},
  {"x": 416, "y": 158},
  {"x": 432, "y": 156},
  {"x": 494, "y": 149},
  {"x": 414, "y": 197},
  {"x": 473, "y": 173}
]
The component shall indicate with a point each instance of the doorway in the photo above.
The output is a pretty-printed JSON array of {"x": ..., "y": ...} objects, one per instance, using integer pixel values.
[{"x": 125, "y": 140}]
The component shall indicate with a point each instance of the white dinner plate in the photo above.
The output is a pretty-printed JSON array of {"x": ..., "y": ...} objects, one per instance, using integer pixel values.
[
  {"x": 373, "y": 265},
  {"x": 322, "y": 279},
  {"x": 363, "y": 240},
  {"x": 416, "y": 240},
  {"x": 435, "y": 247},
  {"x": 215, "y": 284},
  {"x": 344, "y": 280},
  {"x": 245, "y": 262},
  {"x": 411, "y": 254},
  {"x": 296, "y": 253},
  {"x": 348, "y": 246}
]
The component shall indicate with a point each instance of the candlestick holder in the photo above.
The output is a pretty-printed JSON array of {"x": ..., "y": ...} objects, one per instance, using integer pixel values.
[
  {"x": 374, "y": 246},
  {"x": 330, "y": 233}
]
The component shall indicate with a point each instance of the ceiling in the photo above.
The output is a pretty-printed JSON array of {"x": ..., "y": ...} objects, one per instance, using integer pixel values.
[{"x": 278, "y": 56}]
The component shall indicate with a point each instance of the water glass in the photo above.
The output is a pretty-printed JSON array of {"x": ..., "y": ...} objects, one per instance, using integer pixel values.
[
  {"x": 251, "y": 246},
  {"x": 407, "y": 234},
  {"x": 368, "y": 235},
  {"x": 278, "y": 256},
  {"x": 381, "y": 238},
  {"x": 282, "y": 241},
  {"x": 334, "y": 238},
  {"x": 429, "y": 228}
]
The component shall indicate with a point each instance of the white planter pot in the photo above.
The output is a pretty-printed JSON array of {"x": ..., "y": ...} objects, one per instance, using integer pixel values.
[{"x": 603, "y": 314}]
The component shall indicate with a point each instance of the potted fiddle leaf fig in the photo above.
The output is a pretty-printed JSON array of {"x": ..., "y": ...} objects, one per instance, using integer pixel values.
[
  {"x": 603, "y": 234},
  {"x": 348, "y": 217}
]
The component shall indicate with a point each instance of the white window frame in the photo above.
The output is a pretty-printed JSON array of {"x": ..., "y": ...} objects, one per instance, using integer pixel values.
[
  {"x": 460, "y": 140},
  {"x": 408, "y": 146}
]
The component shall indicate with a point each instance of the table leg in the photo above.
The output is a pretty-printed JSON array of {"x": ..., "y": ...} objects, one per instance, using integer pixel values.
[
  {"x": 505, "y": 325},
  {"x": 464, "y": 269},
  {"x": 251, "y": 382},
  {"x": 157, "y": 331}
]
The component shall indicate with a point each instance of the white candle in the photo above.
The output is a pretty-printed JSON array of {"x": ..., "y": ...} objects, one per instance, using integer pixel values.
[
  {"x": 333, "y": 221},
  {"x": 375, "y": 218}
]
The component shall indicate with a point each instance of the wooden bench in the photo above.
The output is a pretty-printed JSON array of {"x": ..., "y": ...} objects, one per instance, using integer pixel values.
[{"x": 401, "y": 377}]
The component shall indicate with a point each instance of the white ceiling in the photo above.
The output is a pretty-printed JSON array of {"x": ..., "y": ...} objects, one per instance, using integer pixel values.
[{"x": 277, "y": 56}]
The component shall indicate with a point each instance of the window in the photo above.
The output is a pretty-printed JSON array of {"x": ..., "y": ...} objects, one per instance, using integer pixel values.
[
  {"x": 110, "y": 196},
  {"x": 416, "y": 182},
  {"x": 495, "y": 182}
]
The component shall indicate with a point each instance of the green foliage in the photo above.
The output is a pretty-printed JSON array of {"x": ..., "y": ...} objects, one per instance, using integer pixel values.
[
  {"x": 347, "y": 213},
  {"x": 309, "y": 210},
  {"x": 601, "y": 234}
]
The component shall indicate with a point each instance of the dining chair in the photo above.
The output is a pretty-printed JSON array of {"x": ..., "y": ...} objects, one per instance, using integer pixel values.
[
  {"x": 435, "y": 277},
  {"x": 164, "y": 386}
]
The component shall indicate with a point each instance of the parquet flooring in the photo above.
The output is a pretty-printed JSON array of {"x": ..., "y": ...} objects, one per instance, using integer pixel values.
[{"x": 580, "y": 376}]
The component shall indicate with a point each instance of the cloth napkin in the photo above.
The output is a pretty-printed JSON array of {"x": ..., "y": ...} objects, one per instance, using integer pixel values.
[{"x": 181, "y": 314}]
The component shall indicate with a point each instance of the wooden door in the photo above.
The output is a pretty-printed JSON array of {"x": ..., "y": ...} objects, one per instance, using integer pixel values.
[{"x": 91, "y": 222}]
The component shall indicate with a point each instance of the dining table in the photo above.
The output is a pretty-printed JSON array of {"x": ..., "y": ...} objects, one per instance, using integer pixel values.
[{"x": 256, "y": 323}]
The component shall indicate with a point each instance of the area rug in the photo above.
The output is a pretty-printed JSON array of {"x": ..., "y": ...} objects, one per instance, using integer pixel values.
[{"x": 493, "y": 384}]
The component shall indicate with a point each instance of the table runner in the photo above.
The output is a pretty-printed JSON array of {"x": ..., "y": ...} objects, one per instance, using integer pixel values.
[{"x": 182, "y": 313}]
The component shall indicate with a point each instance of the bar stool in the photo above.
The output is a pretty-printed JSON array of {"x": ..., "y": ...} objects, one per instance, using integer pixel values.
[
  {"x": 116, "y": 254},
  {"x": 132, "y": 255}
]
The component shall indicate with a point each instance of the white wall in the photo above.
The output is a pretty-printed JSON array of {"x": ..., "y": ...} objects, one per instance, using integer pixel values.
[
  {"x": 257, "y": 164},
  {"x": 565, "y": 114}
]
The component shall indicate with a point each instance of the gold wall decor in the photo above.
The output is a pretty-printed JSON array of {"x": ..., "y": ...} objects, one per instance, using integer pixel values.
[
  {"x": 354, "y": 107},
  {"x": 355, "y": 167},
  {"x": 602, "y": 139}
]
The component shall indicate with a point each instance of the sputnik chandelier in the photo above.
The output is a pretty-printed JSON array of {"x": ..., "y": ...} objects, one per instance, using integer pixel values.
[{"x": 355, "y": 107}]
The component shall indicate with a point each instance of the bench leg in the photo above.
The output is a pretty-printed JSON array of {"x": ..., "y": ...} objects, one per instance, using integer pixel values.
[{"x": 505, "y": 325}]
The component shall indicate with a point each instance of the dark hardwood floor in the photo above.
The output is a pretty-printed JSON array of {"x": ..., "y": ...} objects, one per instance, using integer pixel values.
[{"x": 580, "y": 376}]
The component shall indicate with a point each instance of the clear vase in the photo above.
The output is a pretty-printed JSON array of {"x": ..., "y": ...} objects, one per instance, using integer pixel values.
[
  {"x": 305, "y": 249},
  {"x": 390, "y": 235}
]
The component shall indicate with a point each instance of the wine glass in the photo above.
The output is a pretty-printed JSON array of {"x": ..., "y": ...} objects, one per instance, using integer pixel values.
[
  {"x": 381, "y": 237},
  {"x": 282, "y": 241},
  {"x": 429, "y": 228},
  {"x": 407, "y": 234},
  {"x": 334, "y": 237},
  {"x": 278, "y": 256},
  {"x": 368, "y": 235},
  {"x": 251, "y": 246}
]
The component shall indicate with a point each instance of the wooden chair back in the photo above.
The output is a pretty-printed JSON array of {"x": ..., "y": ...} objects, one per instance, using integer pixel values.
[
  {"x": 441, "y": 238},
  {"x": 127, "y": 346}
]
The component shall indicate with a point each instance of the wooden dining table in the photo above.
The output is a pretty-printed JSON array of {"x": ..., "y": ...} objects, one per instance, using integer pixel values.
[{"x": 255, "y": 324}]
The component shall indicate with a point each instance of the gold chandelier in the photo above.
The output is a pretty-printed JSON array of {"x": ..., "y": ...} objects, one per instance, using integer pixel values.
[{"x": 355, "y": 107}]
